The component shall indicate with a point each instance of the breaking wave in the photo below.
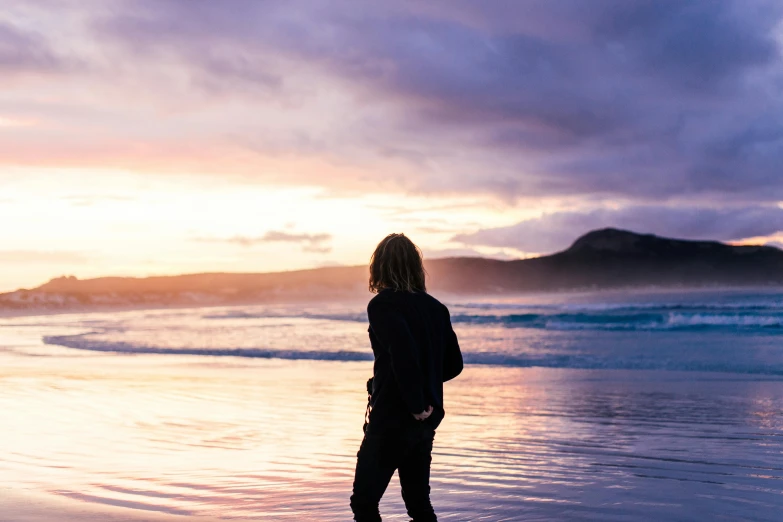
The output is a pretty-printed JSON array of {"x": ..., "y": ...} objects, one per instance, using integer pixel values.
[
  {"x": 546, "y": 360},
  {"x": 652, "y": 320},
  {"x": 82, "y": 342},
  {"x": 766, "y": 316}
]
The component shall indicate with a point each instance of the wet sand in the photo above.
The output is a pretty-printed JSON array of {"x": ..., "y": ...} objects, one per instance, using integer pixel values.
[
  {"x": 17, "y": 506},
  {"x": 140, "y": 438}
]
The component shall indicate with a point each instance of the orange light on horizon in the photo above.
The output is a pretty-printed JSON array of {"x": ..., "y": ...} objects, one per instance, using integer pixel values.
[{"x": 105, "y": 222}]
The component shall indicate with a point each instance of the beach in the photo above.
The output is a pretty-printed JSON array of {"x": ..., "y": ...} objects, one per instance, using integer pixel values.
[
  {"x": 136, "y": 434},
  {"x": 204, "y": 201}
]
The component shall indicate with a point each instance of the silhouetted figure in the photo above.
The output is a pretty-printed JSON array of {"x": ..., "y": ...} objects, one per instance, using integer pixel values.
[{"x": 415, "y": 351}]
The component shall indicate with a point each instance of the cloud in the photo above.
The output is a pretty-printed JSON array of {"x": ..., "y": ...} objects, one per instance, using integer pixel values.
[
  {"x": 556, "y": 231},
  {"x": 26, "y": 52},
  {"x": 314, "y": 243},
  {"x": 649, "y": 100},
  {"x": 289, "y": 237},
  {"x": 222, "y": 43}
]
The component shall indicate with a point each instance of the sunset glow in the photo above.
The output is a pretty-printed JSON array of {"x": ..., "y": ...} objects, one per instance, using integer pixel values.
[
  {"x": 96, "y": 223},
  {"x": 159, "y": 137}
]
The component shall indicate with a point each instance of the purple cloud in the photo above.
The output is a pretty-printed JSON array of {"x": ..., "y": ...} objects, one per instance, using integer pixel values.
[
  {"x": 22, "y": 51},
  {"x": 556, "y": 231},
  {"x": 648, "y": 99}
]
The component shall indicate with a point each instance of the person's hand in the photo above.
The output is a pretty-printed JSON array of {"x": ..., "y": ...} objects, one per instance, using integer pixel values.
[{"x": 423, "y": 415}]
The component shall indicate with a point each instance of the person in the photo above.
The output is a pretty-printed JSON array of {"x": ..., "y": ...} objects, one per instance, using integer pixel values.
[{"x": 416, "y": 351}]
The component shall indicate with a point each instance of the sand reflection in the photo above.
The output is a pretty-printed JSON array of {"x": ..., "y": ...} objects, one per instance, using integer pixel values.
[{"x": 242, "y": 438}]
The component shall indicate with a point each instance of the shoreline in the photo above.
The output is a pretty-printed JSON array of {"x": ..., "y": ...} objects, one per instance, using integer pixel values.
[{"x": 361, "y": 300}]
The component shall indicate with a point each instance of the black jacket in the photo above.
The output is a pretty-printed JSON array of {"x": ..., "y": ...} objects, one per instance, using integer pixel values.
[{"x": 416, "y": 351}]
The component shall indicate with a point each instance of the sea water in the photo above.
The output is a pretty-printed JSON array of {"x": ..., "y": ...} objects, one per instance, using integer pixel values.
[
  {"x": 609, "y": 406},
  {"x": 721, "y": 331}
]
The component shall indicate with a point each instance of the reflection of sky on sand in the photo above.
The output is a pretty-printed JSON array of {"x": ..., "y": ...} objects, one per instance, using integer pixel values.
[
  {"x": 270, "y": 439},
  {"x": 179, "y": 436}
]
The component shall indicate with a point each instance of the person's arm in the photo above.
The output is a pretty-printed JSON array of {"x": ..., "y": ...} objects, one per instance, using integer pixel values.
[
  {"x": 392, "y": 331},
  {"x": 452, "y": 357}
]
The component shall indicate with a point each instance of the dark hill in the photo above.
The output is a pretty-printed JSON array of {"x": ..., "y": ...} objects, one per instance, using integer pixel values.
[
  {"x": 601, "y": 259},
  {"x": 612, "y": 258}
]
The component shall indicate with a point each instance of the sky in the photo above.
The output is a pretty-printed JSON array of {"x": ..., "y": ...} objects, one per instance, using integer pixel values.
[{"x": 147, "y": 137}]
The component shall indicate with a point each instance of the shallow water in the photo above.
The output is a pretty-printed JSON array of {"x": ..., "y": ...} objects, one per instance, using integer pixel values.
[
  {"x": 738, "y": 332},
  {"x": 263, "y": 438}
]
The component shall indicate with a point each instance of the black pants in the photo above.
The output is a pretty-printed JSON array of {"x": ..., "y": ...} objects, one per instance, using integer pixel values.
[{"x": 407, "y": 450}]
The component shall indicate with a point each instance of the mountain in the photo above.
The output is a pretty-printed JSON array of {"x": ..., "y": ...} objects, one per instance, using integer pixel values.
[
  {"x": 612, "y": 258},
  {"x": 601, "y": 259}
]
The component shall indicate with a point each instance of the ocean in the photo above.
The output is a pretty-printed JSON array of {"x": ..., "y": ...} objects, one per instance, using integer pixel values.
[{"x": 645, "y": 405}]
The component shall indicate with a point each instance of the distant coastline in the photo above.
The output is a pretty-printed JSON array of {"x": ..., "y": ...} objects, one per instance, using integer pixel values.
[{"x": 607, "y": 259}]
